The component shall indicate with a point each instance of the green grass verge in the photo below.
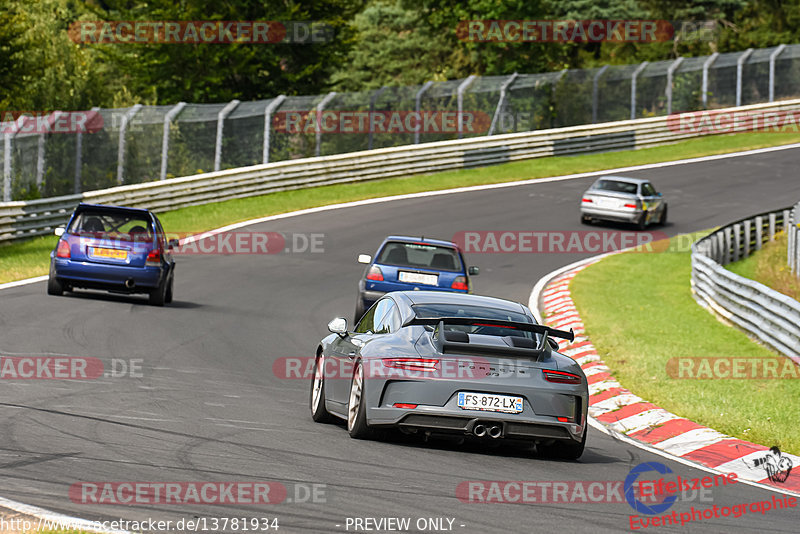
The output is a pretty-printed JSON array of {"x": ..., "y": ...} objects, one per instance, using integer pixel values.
[
  {"x": 770, "y": 267},
  {"x": 639, "y": 312},
  {"x": 30, "y": 258}
]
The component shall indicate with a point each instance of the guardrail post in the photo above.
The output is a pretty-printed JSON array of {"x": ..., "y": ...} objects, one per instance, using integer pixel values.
[
  {"x": 728, "y": 246},
  {"x": 785, "y": 221},
  {"x": 502, "y": 102},
  {"x": 772, "y": 57},
  {"x": 634, "y": 77},
  {"x": 722, "y": 248},
  {"x": 772, "y": 226},
  {"x": 746, "y": 240},
  {"x": 670, "y": 72},
  {"x": 739, "y": 67},
  {"x": 168, "y": 118},
  {"x": 372, "y": 99},
  {"x": 417, "y": 102},
  {"x": 737, "y": 241},
  {"x": 759, "y": 231},
  {"x": 704, "y": 89},
  {"x": 460, "y": 103},
  {"x": 123, "y": 127},
  {"x": 268, "y": 111},
  {"x": 318, "y": 121},
  {"x": 596, "y": 91},
  {"x": 224, "y": 112}
]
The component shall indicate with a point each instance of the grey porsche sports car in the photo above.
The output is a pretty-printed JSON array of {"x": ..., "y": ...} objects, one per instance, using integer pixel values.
[{"x": 429, "y": 362}]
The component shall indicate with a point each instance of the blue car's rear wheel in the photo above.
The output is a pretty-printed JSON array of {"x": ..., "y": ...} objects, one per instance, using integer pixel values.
[
  {"x": 54, "y": 287},
  {"x": 158, "y": 296}
]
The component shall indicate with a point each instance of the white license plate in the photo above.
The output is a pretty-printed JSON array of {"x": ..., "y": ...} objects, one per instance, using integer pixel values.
[
  {"x": 418, "y": 278},
  {"x": 489, "y": 403}
]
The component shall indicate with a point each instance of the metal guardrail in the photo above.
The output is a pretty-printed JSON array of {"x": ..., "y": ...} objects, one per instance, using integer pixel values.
[
  {"x": 793, "y": 231},
  {"x": 23, "y": 219},
  {"x": 771, "y": 317}
]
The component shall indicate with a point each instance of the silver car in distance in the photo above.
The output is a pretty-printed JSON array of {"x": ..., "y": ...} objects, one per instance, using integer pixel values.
[{"x": 621, "y": 199}]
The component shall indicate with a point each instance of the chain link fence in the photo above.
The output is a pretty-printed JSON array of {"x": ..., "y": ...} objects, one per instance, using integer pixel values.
[{"x": 149, "y": 143}]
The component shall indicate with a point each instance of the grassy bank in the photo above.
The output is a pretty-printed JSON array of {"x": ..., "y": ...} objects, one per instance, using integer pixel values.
[
  {"x": 639, "y": 313},
  {"x": 30, "y": 258},
  {"x": 769, "y": 266}
]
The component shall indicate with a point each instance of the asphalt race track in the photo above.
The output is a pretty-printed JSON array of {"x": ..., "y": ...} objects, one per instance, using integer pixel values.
[{"x": 208, "y": 406}]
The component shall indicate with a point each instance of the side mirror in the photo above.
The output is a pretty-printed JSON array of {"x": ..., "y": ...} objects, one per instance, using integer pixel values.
[
  {"x": 364, "y": 258},
  {"x": 658, "y": 194},
  {"x": 59, "y": 231},
  {"x": 474, "y": 271},
  {"x": 553, "y": 343},
  {"x": 338, "y": 326},
  {"x": 173, "y": 243}
]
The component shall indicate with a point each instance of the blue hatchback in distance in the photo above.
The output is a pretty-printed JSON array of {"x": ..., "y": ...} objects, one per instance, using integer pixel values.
[
  {"x": 121, "y": 250},
  {"x": 409, "y": 263}
]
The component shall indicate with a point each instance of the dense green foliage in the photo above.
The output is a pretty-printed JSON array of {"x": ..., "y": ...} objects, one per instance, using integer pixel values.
[{"x": 375, "y": 43}]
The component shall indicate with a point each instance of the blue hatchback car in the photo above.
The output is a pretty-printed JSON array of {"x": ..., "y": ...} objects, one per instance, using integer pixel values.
[
  {"x": 118, "y": 249},
  {"x": 409, "y": 263}
]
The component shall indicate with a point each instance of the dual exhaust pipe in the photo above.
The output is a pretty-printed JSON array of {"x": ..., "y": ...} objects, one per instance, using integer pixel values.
[{"x": 482, "y": 430}]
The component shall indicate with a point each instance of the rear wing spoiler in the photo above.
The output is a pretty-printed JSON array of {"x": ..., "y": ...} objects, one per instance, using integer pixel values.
[{"x": 456, "y": 342}]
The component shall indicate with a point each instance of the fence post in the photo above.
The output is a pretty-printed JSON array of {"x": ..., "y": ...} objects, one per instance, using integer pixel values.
[
  {"x": 704, "y": 89},
  {"x": 268, "y": 111},
  {"x": 739, "y": 67},
  {"x": 123, "y": 127},
  {"x": 501, "y": 103},
  {"x": 772, "y": 57},
  {"x": 417, "y": 102},
  {"x": 460, "y": 103},
  {"x": 737, "y": 241},
  {"x": 634, "y": 77},
  {"x": 759, "y": 231},
  {"x": 772, "y": 226},
  {"x": 168, "y": 118},
  {"x": 670, "y": 72},
  {"x": 746, "y": 240},
  {"x": 372, "y": 99},
  {"x": 77, "y": 186},
  {"x": 556, "y": 82},
  {"x": 596, "y": 91},
  {"x": 318, "y": 121},
  {"x": 40, "y": 149},
  {"x": 224, "y": 112}
]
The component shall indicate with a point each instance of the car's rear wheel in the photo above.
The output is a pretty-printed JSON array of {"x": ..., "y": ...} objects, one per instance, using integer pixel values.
[
  {"x": 356, "y": 410},
  {"x": 319, "y": 413},
  {"x": 564, "y": 450},
  {"x": 54, "y": 287},
  {"x": 663, "y": 219},
  {"x": 641, "y": 224},
  {"x": 159, "y": 295},
  {"x": 168, "y": 295},
  {"x": 586, "y": 220}
]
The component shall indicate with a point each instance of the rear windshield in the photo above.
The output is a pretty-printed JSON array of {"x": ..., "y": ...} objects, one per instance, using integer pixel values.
[
  {"x": 616, "y": 186},
  {"x": 112, "y": 225},
  {"x": 426, "y": 311},
  {"x": 420, "y": 255}
]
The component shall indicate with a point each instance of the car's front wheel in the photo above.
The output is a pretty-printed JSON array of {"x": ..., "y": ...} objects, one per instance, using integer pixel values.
[
  {"x": 356, "y": 409},
  {"x": 319, "y": 413}
]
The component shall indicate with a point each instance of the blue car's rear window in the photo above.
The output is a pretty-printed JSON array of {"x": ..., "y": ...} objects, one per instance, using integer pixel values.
[
  {"x": 420, "y": 255},
  {"x": 112, "y": 225}
]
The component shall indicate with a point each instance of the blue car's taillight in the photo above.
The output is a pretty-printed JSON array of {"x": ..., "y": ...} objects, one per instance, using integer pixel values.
[
  {"x": 460, "y": 283},
  {"x": 375, "y": 273},
  {"x": 62, "y": 251},
  {"x": 154, "y": 258}
]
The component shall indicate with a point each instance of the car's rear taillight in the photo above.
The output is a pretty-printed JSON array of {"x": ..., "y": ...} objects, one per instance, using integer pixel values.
[
  {"x": 629, "y": 205},
  {"x": 586, "y": 200},
  {"x": 460, "y": 283},
  {"x": 154, "y": 258},
  {"x": 374, "y": 273},
  {"x": 561, "y": 377},
  {"x": 411, "y": 364},
  {"x": 564, "y": 419},
  {"x": 62, "y": 251},
  {"x": 404, "y": 405}
]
